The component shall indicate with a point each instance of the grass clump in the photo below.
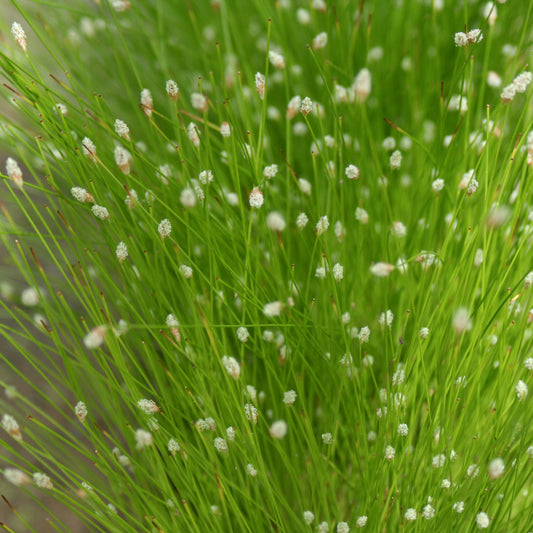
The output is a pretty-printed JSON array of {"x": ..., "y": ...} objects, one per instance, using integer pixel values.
[{"x": 269, "y": 264}]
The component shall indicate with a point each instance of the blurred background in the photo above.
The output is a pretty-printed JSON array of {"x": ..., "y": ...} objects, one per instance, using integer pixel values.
[{"x": 21, "y": 509}]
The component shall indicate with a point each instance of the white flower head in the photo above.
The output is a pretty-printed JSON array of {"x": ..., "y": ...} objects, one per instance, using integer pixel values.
[
  {"x": 19, "y": 35},
  {"x": 278, "y": 429},
  {"x": 232, "y": 366}
]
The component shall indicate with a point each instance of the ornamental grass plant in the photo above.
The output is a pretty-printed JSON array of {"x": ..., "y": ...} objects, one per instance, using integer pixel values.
[{"x": 267, "y": 265}]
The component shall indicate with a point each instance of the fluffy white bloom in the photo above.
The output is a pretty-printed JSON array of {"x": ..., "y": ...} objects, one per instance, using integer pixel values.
[
  {"x": 273, "y": 308},
  {"x": 322, "y": 225},
  {"x": 461, "y": 321},
  {"x": 13, "y": 171},
  {"x": 148, "y": 406},
  {"x": 320, "y": 41},
  {"x": 521, "y": 390},
  {"x": 361, "y": 215},
  {"x": 122, "y": 159},
  {"x": 343, "y": 527},
  {"x": 29, "y": 297},
  {"x": 81, "y": 194},
  {"x": 301, "y": 221},
  {"x": 474, "y": 36},
  {"x": 230, "y": 433},
  {"x": 173, "y": 447},
  {"x": 410, "y": 515},
  {"x": 199, "y": 102},
  {"x": 165, "y": 227},
  {"x": 95, "y": 338},
  {"x": 42, "y": 481},
  {"x": 381, "y": 269},
  {"x": 306, "y": 106},
  {"x": 100, "y": 212},
  {"x": 251, "y": 413},
  {"x": 121, "y": 251},
  {"x": 362, "y": 85},
  {"x": 303, "y": 16},
  {"x": 251, "y": 471},
  {"x": 186, "y": 271},
  {"x": 482, "y": 520},
  {"x": 398, "y": 229},
  {"x": 352, "y": 172},
  {"x": 277, "y": 60},
  {"x": 338, "y": 272},
  {"x": 496, "y": 468},
  {"x": 16, "y": 477},
  {"x": 278, "y": 429},
  {"x": 193, "y": 133},
  {"x": 243, "y": 334},
  {"x": 11, "y": 426},
  {"x": 437, "y": 185},
  {"x": 220, "y": 444},
  {"x": 172, "y": 89},
  {"x": 147, "y": 104},
  {"x": 428, "y": 512},
  {"x": 304, "y": 186},
  {"x": 361, "y": 521},
  {"x": 458, "y": 507},
  {"x": 395, "y": 160},
  {"x": 275, "y": 221},
  {"x": 256, "y": 198},
  {"x": 458, "y": 102},
  {"x": 188, "y": 197},
  {"x": 143, "y": 439},
  {"x": 364, "y": 334},
  {"x": 403, "y": 430},
  {"x": 225, "y": 129},
  {"x": 289, "y": 397},
  {"x": 270, "y": 171},
  {"x": 80, "y": 410},
  {"x": 390, "y": 452},
  {"x": 88, "y": 148},
  {"x": 460, "y": 39},
  {"x": 232, "y": 366},
  {"x": 19, "y": 35},
  {"x": 327, "y": 438}
]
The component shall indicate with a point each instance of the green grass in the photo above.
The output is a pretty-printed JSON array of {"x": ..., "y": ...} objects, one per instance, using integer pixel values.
[{"x": 412, "y": 416}]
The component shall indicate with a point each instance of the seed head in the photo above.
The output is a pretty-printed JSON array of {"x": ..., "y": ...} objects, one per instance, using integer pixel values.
[
  {"x": 122, "y": 251},
  {"x": 42, "y": 481},
  {"x": 232, "y": 366},
  {"x": 277, "y": 60},
  {"x": 12, "y": 427},
  {"x": 13, "y": 171},
  {"x": 193, "y": 133},
  {"x": 88, "y": 148},
  {"x": 275, "y": 221},
  {"x": 225, "y": 129},
  {"x": 80, "y": 410},
  {"x": 147, "y": 103},
  {"x": 16, "y": 477},
  {"x": 172, "y": 90},
  {"x": 482, "y": 520},
  {"x": 19, "y": 35},
  {"x": 143, "y": 439},
  {"x": 352, "y": 172},
  {"x": 164, "y": 228},
  {"x": 278, "y": 429},
  {"x": 256, "y": 198},
  {"x": 320, "y": 41},
  {"x": 121, "y": 128},
  {"x": 260, "y": 85},
  {"x": 100, "y": 212},
  {"x": 362, "y": 85}
]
